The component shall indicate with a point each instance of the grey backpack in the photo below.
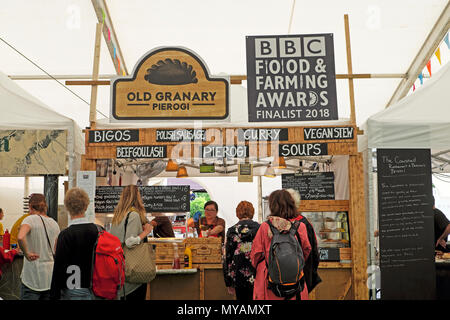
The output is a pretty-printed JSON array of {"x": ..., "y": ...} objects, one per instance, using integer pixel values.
[{"x": 285, "y": 262}]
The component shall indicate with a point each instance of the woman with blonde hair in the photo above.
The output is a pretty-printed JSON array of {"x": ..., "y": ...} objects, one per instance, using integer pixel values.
[{"x": 131, "y": 226}]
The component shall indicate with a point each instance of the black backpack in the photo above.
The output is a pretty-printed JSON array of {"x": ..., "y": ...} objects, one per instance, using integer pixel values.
[{"x": 285, "y": 263}]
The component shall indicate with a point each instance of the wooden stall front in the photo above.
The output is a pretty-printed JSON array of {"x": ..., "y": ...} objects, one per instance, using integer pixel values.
[
  {"x": 204, "y": 283},
  {"x": 345, "y": 279}
]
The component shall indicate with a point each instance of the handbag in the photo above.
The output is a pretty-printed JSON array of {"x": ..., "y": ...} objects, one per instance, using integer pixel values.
[{"x": 140, "y": 261}]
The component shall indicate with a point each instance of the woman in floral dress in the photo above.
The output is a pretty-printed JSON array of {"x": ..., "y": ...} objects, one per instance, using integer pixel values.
[{"x": 238, "y": 271}]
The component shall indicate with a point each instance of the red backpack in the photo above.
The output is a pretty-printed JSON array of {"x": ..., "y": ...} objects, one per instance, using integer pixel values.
[{"x": 108, "y": 269}]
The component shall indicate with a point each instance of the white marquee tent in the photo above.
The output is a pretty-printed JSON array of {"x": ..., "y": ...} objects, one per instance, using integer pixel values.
[
  {"x": 21, "y": 111},
  {"x": 421, "y": 121},
  {"x": 389, "y": 39},
  {"x": 45, "y": 43}
]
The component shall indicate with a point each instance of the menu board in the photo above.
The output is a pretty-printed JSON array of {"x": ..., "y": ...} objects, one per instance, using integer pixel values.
[
  {"x": 406, "y": 225},
  {"x": 310, "y": 185},
  {"x": 155, "y": 198}
]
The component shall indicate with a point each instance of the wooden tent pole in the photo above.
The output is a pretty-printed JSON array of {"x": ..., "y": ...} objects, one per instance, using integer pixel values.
[
  {"x": 350, "y": 71},
  {"x": 95, "y": 72}
]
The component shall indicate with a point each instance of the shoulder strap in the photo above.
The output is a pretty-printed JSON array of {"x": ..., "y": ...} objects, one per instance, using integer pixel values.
[
  {"x": 99, "y": 229},
  {"x": 46, "y": 234},
  {"x": 272, "y": 227},
  {"x": 126, "y": 222}
]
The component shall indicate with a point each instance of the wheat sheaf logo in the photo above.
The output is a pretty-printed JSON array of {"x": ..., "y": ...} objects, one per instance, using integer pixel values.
[{"x": 171, "y": 72}]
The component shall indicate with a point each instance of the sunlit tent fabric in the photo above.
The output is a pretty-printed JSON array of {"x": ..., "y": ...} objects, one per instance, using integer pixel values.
[
  {"x": 420, "y": 120},
  {"x": 20, "y": 110}
]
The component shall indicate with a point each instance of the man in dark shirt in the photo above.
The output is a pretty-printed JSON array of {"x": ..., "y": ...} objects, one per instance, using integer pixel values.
[{"x": 441, "y": 229}]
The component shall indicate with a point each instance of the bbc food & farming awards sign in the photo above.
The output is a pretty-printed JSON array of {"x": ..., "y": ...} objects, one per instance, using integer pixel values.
[{"x": 291, "y": 78}]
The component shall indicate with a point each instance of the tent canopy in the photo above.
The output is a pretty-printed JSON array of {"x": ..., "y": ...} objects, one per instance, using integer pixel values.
[
  {"x": 59, "y": 37},
  {"x": 20, "y": 110},
  {"x": 421, "y": 120}
]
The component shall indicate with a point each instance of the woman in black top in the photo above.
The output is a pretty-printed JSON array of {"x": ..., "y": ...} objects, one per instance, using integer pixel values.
[
  {"x": 238, "y": 271},
  {"x": 72, "y": 271}
]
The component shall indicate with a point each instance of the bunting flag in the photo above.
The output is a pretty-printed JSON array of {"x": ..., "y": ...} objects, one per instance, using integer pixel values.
[
  {"x": 118, "y": 62},
  {"x": 447, "y": 41},
  {"x": 103, "y": 16},
  {"x": 438, "y": 55},
  {"x": 414, "y": 87},
  {"x": 109, "y": 35},
  {"x": 429, "y": 67},
  {"x": 114, "y": 51},
  {"x": 421, "y": 78}
]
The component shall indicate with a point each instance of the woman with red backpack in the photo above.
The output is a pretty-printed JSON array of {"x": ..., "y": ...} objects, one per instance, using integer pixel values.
[{"x": 266, "y": 255}]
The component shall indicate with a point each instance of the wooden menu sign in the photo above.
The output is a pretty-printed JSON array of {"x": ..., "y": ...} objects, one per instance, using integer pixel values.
[
  {"x": 169, "y": 83},
  {"x": 406, "y": 225}
]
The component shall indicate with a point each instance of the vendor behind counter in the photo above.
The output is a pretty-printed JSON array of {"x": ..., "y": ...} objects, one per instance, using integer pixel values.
[{"x": 211, "y": 225}]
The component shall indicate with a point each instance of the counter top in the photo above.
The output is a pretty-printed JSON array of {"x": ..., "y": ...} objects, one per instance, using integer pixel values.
[{"x": 175, "y": 271}]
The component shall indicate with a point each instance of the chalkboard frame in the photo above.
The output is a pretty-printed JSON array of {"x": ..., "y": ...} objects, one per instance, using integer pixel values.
[{"x": 115, "y": 192}]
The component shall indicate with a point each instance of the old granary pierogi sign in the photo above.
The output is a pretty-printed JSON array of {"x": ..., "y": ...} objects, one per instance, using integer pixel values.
[
  {"x": 169, "y": 83},
  {"x": 291, "y": 78}
]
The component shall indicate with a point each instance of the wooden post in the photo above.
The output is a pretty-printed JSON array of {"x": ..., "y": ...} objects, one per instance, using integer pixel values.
[
  {"x": 350, "y": 71},
  {"x": 202, "y": 282},
  {"x": 95, "y": 72},
  {"x": 88, "y": 164},
  {"x": 358, "y": 237}
]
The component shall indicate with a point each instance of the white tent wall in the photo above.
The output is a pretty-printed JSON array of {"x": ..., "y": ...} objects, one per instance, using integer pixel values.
[
  {"x": 420, "y": 120},
  {"x": 12, "y": 193},
  {"x": 21, "y": 111}
]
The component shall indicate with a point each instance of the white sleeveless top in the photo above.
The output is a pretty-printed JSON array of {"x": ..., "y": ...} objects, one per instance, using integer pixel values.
[{"x": 37, "y": 274}]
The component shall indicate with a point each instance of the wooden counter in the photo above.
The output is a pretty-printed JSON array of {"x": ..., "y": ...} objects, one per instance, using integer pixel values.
[{"x": 206, "y": 284}]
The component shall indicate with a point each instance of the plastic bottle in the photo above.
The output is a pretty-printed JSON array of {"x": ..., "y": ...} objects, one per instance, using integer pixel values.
[
  {"x": 6, "y": 240},
  {"x": 188, "y": 258},
  {"x": 176, "y": 258}
]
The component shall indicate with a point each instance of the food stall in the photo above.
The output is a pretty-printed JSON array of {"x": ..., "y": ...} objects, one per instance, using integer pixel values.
[
  {"x": 173, "y": 84},
  {"x": 343, "y": 278}
]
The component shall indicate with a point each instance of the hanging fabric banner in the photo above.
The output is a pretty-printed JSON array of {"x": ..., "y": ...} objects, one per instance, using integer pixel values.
[
  {"x": 438, "y": 55},
  {"x": 447, "y": 41}
]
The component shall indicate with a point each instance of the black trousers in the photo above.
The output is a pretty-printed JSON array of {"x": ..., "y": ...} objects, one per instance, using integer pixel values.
[{"x": 244, "y": 293}]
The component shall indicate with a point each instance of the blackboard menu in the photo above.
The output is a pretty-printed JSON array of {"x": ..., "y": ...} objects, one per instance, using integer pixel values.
[
  {"x": 310, "y": 185},
  {"x": 406, "y": 225},
  {"x": 155, "y": 198}
]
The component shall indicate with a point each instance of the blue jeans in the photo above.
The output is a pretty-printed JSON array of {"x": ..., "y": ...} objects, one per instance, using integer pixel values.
[
  {"x": 77, "y": 294},
  {"x": 29, "y": 294}
]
